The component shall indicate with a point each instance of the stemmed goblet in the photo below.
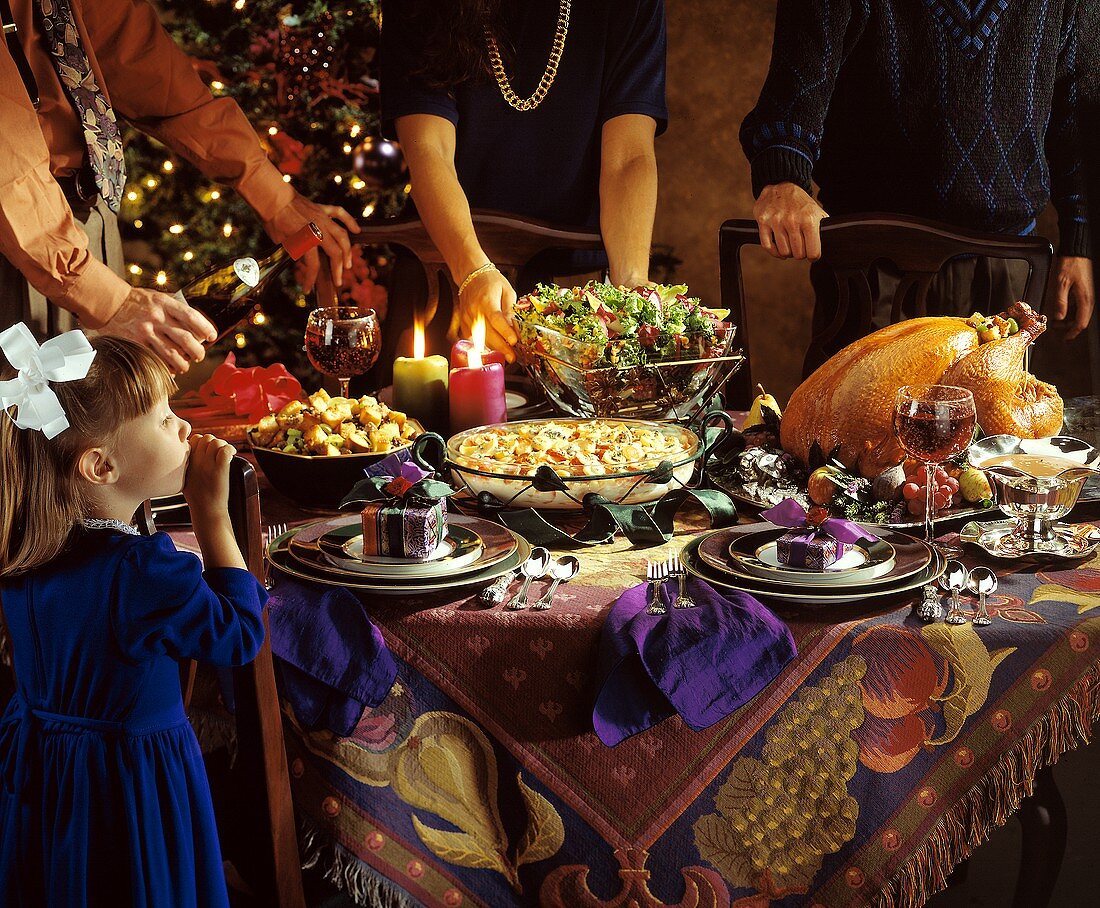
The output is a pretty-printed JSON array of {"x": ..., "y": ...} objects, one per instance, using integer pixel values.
[
  {"x": 933, "y": 423},
  {"x": 343, "y": 341}
]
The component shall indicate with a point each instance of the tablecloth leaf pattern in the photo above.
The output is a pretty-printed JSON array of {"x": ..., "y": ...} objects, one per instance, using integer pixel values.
[
  {"x": 972, "y": 667},
  {"x": 910, "y": 743}
]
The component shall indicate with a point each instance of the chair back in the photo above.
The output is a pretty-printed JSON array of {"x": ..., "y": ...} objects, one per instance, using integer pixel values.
[
  {"x": 270, "y": 861},
  {"x": 850, "y": 248},
  {"x": 510, "y": 242}
]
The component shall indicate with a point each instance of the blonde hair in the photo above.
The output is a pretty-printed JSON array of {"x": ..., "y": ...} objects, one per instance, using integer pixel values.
[{"x": 42, "y": 497}]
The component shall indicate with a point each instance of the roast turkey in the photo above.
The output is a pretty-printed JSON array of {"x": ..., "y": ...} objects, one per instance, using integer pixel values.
[{"x": 847, "y": 404}]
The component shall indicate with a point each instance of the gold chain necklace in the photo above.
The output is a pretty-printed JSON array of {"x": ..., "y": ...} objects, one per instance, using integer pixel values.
[{"x": 548, "y": 75}]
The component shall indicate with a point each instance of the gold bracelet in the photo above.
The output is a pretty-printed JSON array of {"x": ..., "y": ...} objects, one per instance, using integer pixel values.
[{"x": 488, "y": 266}]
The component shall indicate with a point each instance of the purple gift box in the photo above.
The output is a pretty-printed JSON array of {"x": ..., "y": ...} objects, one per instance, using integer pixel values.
[
  {"x": 807, "y": 549},
  {"x": 402, "y": 529}
]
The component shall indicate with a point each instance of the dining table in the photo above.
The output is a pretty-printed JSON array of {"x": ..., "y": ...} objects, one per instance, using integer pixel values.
[{"x": 863, "y": 773}]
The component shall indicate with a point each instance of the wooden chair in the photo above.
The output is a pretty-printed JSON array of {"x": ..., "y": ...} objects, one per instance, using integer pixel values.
[
  {"x": 509, "y": 241},
  {"x": 850, "y": 246},
  {"x": 260, "y": 776}
]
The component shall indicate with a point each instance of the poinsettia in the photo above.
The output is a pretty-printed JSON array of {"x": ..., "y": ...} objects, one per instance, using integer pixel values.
[{"x": 252, "y": 393}]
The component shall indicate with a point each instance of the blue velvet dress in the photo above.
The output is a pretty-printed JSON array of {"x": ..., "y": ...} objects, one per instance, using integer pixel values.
[{"x": 104, "y": 798}]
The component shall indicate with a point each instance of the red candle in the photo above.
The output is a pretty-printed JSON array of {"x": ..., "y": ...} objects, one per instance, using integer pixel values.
[
  {"x": 460, "y": 354},
  {"x": 477, "y": 389}
]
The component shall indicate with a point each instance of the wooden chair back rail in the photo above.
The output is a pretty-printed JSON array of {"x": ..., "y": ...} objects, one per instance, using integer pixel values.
[
  {"x": 261, "y": 768},
  {"x": 851, "y": 246},
  {"x": 509, "y": 242}
]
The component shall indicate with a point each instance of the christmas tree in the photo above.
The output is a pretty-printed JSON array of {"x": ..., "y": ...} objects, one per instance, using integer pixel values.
[{"x": 305, "y": 75}]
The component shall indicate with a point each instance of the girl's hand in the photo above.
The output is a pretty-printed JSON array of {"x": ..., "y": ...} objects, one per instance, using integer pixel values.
[
  {"x": 206, "y": 486},
  {"x": 490, "y": 296}
]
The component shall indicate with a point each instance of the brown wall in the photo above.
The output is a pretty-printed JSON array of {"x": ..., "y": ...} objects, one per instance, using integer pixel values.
[{"x": 718, "y": 53}]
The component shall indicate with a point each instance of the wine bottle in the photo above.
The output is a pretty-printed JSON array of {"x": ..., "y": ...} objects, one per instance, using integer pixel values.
[{"x": 227, "y": 294}]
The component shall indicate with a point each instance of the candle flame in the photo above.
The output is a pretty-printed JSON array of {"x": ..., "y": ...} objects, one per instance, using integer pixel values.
[
  {"x": 418, "y": 338},
  {"x": 477, "y": 336}
]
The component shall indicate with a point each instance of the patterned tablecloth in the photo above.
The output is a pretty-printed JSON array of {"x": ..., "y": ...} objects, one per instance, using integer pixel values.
[{"x": 861, "y": 775}]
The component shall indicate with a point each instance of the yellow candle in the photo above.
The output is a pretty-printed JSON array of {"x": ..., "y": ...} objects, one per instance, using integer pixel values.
[{"x": 420, "y": 385}]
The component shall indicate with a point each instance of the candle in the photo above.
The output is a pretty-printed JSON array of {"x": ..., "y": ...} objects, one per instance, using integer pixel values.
[
  {"x": 477, "y": 389},
  {"x": 420, "y": 385},
  {"x": 460, "y": 353}
]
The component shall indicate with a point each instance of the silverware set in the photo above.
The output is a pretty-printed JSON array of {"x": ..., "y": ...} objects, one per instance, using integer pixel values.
[
  {"x": 539, "y": 564},
  {"x": 980, "y": 581},
  {"x": 656, "y": 573},
  {"x": 271, "y": 533}
]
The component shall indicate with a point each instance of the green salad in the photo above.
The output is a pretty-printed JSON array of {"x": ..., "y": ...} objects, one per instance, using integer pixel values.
[{"x": 601, "y": 325}]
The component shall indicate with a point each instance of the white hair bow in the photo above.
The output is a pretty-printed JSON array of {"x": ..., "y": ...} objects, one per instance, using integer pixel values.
[{"x": 66, "y": 357}]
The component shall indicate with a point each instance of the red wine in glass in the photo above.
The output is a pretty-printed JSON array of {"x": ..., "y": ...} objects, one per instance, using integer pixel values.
[
  {"x": 933, "y": 423},
  {"x": 343, "y": 341}
]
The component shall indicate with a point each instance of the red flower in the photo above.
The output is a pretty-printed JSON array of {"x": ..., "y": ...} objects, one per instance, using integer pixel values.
[{"x": 397, "y": 486}]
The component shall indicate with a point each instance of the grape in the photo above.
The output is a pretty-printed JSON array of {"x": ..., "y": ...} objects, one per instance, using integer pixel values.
[{"x": 910, "y": 490}]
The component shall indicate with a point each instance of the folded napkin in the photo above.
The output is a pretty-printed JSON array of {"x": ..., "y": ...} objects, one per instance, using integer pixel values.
[
  {"x": 333, "y": 660},
  {"x": 703, "y": 662}
]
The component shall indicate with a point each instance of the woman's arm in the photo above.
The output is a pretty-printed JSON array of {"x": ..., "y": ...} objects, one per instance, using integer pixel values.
[
  {"x": 628, "y": 196},
  {"x": 429, "y": 145}
]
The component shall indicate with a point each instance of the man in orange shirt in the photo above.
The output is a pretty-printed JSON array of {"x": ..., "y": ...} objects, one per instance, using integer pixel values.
[{"x": 67, "y": 68}]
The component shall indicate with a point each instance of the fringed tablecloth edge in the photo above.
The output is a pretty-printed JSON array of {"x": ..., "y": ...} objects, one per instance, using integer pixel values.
[
  {"x": 347, "y": 872},
  {"x": 992, "y": 800}
]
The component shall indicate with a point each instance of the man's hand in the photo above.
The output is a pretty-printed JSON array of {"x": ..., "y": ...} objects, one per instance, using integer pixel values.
[
  {"x": 1073, "y": 287},
  {"x": 790, "y": 222},
  {"x": 490, "y": 296},
  {"x": 328, "y": 219},
  {"x": 171, "y": 329}
]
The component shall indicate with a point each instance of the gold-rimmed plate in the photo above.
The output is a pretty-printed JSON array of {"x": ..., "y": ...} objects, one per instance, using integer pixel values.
[
  {"x": 911, "y": 555},
  {"x": 342, "y": 547},
  {"x": 758, "y": 554},
  {"x": 324, "y": 573},
  {"x": 808, "y": 595}
]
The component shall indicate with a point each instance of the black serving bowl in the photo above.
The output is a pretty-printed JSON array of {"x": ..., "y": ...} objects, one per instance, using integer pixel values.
[{"x": 315, "y": 481}]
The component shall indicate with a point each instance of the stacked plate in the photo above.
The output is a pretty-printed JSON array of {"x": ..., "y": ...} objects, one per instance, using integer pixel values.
[
  {"x": 330, "y": 551},
  {"x": 748, "y": 560}
]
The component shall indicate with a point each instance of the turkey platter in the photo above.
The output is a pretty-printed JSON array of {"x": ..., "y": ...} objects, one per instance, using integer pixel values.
[{"x": 847, "y": 404}]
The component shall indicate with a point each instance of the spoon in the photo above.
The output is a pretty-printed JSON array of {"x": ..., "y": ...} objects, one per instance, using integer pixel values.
[
  {"x": 563, "y": 570},
  {"x": 534, "y": 567},
  {"x": 953, "y": 580},
  {"x": 982, "y": 581}
]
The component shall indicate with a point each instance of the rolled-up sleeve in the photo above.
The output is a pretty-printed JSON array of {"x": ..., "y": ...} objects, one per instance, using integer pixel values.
[
  {"x": 37, "y": 232},
  {"x": 153, "y": 84}
]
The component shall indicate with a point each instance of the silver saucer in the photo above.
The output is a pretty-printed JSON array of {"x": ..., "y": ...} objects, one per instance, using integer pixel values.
[{"x": 997, "y": 538}]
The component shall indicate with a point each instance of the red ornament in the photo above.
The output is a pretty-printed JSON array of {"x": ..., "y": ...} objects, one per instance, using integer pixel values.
[{"x": 816, "y": 516}]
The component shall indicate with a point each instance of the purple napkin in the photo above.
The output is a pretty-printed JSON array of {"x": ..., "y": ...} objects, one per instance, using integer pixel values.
[
  {"x": 333, "y": 660},
  {"x": 703, "y": 662}
]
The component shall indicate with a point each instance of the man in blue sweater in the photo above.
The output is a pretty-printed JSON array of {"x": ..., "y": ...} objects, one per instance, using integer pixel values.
[{"x": 962, "y": 111}]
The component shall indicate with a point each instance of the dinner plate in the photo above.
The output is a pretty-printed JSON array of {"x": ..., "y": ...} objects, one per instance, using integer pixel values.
[
  {"x": 808, "y": 595},
  {"x": 910, "y": 557},
  {"x": 327, "y": 575},
  {"x": 495, "y": 542},
  {"x": 758, "y": 554},
  {"x": 343, "y": 547}
]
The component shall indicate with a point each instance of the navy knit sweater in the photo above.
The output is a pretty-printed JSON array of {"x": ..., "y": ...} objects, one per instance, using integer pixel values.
[{"x": 958, "y": 110}]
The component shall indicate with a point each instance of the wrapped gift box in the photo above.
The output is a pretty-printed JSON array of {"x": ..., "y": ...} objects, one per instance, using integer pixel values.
[
  {"x": 801, "y": 548},
  {"x": 404, "y": 528}
]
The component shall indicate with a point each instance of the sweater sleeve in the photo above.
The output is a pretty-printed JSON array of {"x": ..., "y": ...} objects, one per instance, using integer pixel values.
[
  {"x": 781, "y": 136},
  {"x": 1064, "y": 142},
  {"x": 166, "y": 605}
]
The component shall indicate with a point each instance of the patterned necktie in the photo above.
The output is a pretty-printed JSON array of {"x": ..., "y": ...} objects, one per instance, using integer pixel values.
[{"x": 97, "y": 118}]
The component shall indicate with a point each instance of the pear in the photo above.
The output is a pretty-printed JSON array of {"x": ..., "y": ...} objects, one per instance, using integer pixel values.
[{"x": 756, "y": 411}]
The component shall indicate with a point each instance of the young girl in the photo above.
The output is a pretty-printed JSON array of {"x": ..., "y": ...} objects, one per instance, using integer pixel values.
[{"x": 103, "y": 796}]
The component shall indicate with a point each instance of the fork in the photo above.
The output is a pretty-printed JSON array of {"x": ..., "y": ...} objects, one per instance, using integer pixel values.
[
  {"x": 656, "y": 572},
  {"x": 270, "y": 533},
  {"x": 683, "y": 600}
]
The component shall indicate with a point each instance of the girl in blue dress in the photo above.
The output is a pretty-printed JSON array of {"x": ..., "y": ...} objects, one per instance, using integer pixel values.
[{"x": 104, "y": 799}]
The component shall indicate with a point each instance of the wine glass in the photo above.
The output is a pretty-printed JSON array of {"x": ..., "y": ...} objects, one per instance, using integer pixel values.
[
  {"x": 933, "y": 423},
  {"x": 342, "y": 341}
]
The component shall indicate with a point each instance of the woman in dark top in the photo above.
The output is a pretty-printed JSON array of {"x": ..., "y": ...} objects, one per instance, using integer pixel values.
[{"x": 538, "y": 108}]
